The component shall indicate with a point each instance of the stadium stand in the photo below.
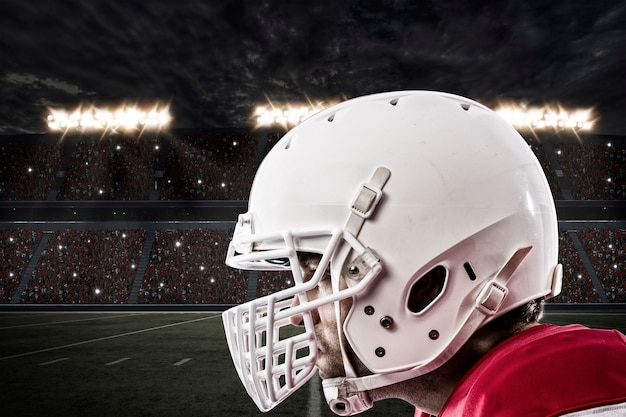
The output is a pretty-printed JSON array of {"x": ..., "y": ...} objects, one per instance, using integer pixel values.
[
  {"x": 16, "y": 249},
  {"x": 85, "y": 267},
  {"x": 214, "y": 166},
  {"x": 606, "y": 250},
  {"x": 272, "y": 281},
  {"x": 594, "y": 172},
  {"x": 111, "y": 168},
  {"x": 140, "y": 262},
  {"x": 577, "y": 285},
  {"x": 28, "y": 171},
  {"x": 187, "y": 267}
]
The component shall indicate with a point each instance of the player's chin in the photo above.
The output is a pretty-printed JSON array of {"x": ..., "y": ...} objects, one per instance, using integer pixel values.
[
  {"x": 328, "y": 375},
  {"x": 326, "y": 371}
]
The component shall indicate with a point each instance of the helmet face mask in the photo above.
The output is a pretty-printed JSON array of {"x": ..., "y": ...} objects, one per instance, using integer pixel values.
[
  {"x": 272, "y": 358},
  {"x": 432, "y": 216}
]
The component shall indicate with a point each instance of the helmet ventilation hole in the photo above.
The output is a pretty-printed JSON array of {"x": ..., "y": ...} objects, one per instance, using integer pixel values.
[
  {"x": 427, "y": 289},
  {"x": 394, "y": 102},
  {"x": 287, "y": 144},
  {"x": 470, "y": 272},
  {"x": 331, "y": 117},
  {"x": 465, "y": 106}
]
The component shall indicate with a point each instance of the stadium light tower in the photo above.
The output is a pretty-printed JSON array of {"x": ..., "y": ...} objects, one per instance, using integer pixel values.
[
  {"x": 541, "y": 118},
  {"x": 287, "y": 115},
  {"x": 521, "y": 117},
  {"x": 124, "y": 118}
]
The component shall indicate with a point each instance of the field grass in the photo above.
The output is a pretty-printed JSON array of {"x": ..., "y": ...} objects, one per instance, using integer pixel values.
[{"x": 151, "y": 364}]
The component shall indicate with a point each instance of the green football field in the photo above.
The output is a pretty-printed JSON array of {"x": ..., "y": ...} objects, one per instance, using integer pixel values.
[{"x": 153, "y": 364}]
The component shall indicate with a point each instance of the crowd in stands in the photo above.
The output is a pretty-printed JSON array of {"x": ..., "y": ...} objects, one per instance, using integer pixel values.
[
  {"x": 594, "y": 172},
  {"x": 187, "y": 267},
  {"x": 273, "y": 281},
  {"x": 111, "y": 168},
  {"x": 86, "y": 267},
  {"x": 215, "y": 166},
  {"x": 28, "y": 172},
  {"x": 606, "y": 249},
  {"x": 221, "y": 166},
  {"x": 16, "y": 249},
  {"x": 577, "y": 285}
]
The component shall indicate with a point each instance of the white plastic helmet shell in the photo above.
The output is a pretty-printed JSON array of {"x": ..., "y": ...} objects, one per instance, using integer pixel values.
[{"x": 465, "y": 193}]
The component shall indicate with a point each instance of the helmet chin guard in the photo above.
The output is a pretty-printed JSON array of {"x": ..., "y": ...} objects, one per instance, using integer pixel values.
[{"x": 429, "y": 209}]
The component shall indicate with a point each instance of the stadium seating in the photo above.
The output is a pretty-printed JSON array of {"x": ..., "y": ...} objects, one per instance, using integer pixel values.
[
  {"x": 85, "y": 266},
  {"x": 606, "y": 248},
  {"x": 272, "y": 281},
  {"x": 16, "y": 249},
  {"x": 187, "y": 266},
  {"x": 28, "y": 171},
  {"x": 111, "y": 168},
  {"x": 577, "y": 285},
  {"x": 100, "y": 266},
  {"x": 220, "y": 166},
  {"x": 210, "y": 167},
  {"x": 594, "y": 172}
]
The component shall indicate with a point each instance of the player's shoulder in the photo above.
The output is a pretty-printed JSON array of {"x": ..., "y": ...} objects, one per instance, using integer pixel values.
[
  {"x": 573, "y": 331},
  {"x": 580, "y": 332}
]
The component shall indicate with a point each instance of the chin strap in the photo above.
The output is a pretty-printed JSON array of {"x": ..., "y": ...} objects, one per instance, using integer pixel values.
[
  {"x": 342, "y": 395},
  {"x": 344, "y": 398},
  {"x": 340, "y": 402}
]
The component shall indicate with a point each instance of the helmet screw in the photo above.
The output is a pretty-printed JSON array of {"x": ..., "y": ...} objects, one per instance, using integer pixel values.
[
  {"x": 386, "y": 322},
  {"x": 369, "y": 310},
  {"x": 380, "y": 352},
  {"x": 433, "y": 334},
  {"x": 353, "y": 270}
]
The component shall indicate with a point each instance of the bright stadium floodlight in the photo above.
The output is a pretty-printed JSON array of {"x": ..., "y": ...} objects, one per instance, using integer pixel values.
[
  {"x": 124, "y": 118},
  {"x": 287, "y": 115},
  {"x": 538, "y": 118}
]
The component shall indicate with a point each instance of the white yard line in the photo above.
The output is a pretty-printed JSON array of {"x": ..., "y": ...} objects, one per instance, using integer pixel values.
[
  {"x": 115, "y": 336},
  {"x": 54, "y": 361},
  {"x": 181, "y": 362},
  {"x": 116, "y": 362},
  {"x": 66, "y": 321}
]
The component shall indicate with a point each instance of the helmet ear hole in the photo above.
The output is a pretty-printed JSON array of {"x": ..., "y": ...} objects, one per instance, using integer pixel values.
[{"x": 427, "y": 289}]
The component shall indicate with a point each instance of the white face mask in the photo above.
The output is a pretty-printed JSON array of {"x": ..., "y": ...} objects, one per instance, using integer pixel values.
[{"x": 273, "y": 359}]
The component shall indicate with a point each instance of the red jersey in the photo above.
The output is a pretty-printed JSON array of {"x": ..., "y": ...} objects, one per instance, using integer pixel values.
[{"x": 545, "y": 371}]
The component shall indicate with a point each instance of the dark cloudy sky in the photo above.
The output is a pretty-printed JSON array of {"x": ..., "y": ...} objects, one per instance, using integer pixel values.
[{"x": 215, "y": 60}]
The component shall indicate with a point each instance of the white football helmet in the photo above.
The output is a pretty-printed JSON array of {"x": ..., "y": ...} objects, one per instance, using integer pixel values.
[{"x": 398, "y": 192}]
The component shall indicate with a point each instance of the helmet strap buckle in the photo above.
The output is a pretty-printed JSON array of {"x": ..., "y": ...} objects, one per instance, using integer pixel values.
[{"x": 366, "y": 200}]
